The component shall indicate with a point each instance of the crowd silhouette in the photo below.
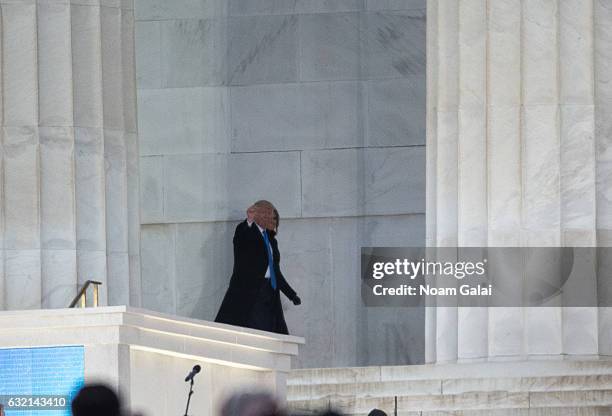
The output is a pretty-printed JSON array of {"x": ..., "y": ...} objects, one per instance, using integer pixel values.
[{"x": 101, "y": 400}]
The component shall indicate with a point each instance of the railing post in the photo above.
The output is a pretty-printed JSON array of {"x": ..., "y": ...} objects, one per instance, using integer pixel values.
[
  {"x": 95, "y": 295},
  {"x": 81, "y": 297}
]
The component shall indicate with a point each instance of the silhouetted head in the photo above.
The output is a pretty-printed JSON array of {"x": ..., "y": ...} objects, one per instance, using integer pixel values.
[
  {"x": 96, "y": 400},
  {"x": 376, "y": 412},
  {"x": 251, "y": 404},
  {"x": 330, "y": 412}
]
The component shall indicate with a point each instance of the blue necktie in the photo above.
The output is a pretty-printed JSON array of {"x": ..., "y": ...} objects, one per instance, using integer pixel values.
[{"x": 270, "y": 260}]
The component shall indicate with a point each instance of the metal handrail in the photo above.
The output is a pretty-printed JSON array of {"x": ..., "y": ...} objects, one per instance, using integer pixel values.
[{"x": 82, "y": 295}]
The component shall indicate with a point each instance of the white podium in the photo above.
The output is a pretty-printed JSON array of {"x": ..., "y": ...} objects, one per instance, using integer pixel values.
[{"x": 146, "y": 355}]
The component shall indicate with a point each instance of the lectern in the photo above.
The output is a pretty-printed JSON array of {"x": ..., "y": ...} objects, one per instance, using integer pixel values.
[{"x": 145, "y": 355}]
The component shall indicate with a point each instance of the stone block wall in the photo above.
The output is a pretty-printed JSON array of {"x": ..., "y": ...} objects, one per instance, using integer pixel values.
[{"x": 317, "y": 106}]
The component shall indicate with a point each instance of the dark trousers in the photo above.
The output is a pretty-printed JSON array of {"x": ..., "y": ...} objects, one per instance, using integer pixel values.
[{"x": 263, "y": 315}]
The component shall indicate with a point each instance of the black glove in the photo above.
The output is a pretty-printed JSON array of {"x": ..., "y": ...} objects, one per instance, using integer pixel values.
[{"x": 297, "y": 300}]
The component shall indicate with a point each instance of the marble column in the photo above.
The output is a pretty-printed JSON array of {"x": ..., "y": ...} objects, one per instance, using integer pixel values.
[
  {"x": 519, "y": 153},
  {"x": 69, "y": 152}
]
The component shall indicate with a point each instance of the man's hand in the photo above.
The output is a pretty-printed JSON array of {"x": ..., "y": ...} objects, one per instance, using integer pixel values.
[{"x": 297, "y": 301}]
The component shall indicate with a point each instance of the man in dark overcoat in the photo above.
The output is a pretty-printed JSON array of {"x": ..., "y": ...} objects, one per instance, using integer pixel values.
[{"x": 253, "y": 297}]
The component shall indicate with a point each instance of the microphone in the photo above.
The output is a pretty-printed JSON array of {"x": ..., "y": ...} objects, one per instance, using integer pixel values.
[{"x": 195, "y": 370}]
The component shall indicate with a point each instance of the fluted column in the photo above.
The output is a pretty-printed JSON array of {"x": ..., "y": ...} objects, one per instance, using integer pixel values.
[
  {"x": 519, "y": 133},
  {"x": 69, "y": 208},
  {"x": 602, "y": 16}
]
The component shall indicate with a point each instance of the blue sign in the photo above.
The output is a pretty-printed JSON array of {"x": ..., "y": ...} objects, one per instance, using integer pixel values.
[{"x": 40, "y": 381}]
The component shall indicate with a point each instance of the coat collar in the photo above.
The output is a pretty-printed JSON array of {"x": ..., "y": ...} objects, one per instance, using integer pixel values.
[{"x": 259, "y": 231}]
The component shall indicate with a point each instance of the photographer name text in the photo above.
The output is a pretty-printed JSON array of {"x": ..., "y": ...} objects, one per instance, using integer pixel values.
[{"x": 427, "y": 290}]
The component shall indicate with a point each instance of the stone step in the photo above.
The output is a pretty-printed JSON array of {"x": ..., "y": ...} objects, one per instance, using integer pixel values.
[
  {"x": 549, "y": 411},
  {"x": 493, "y": 400},
  {"x": 491, "y": 369},
  {"x": 570, "y": 398},
  {"x": 351, "y": 405},
  {"x": 380, "y": 389},
  {"x": 452, "y": 386},
  {"x": 531, "y": 384}
]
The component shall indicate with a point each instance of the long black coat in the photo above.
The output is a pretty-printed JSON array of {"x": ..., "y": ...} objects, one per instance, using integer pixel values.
[{"x": 250, "y": 265}]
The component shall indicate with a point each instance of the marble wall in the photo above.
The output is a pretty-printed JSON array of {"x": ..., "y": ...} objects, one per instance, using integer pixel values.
[{"x": 318, "y": 106}]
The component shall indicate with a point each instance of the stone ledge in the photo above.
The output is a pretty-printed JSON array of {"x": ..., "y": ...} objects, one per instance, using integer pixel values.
[
  {"x": 506, "y": 369},
  {"x": 454, "y": 386},
  {"x": 149, "y": 331}
]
